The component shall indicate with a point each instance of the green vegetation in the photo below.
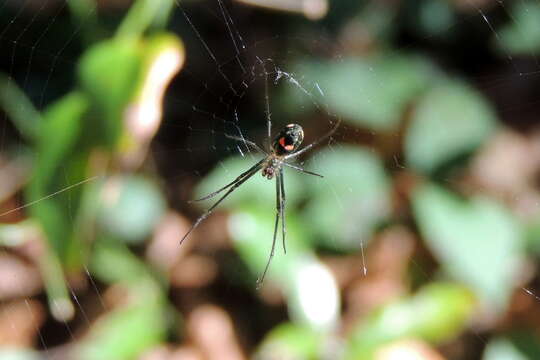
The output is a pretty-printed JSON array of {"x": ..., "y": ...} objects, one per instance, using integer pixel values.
[{"x": 420, "y": 232}]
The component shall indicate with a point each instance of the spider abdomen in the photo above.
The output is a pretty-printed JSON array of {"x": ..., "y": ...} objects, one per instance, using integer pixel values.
[{"x": 288, "y": 140}]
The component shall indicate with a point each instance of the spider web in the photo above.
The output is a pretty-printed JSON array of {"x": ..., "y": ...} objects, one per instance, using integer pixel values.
[{"x": 241, "y": 82}]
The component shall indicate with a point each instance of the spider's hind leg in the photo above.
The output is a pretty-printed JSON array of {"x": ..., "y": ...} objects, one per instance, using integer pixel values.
[
  {"x": 282, "y": 208},
  {"x": 232, "y": 183},
  {"x": 235, "y": 184},
  {"x": 279, "y": 214}
]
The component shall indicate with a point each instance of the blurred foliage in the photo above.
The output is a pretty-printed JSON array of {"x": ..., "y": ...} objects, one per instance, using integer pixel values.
[
  {"x": 449, "y": 121},
  {"x": 489, "y": 233},
  {"x": 517, "y": 345},
  {"x": 350, "y": 201},
  {"x": 372, "y": 92},
  {"x": 436, "y": 313},
  {"x": 98, "y": 205},
  {"x": 522, "y": 35}
]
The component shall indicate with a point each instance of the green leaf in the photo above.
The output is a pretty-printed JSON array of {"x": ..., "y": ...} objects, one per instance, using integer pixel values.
[
  {"x": 451, "y": 120},
  {"x": 110, "y": 74},
  {"x": 19, "y": 108},
  {"x": 477, "y": 242},
  {"x": 62, "y": 124},
  {"x": 143, "y": 14},
  {"x": 114, "y": 74},
  {"x": 350, "y": 201},
  {"x": 57, "y": 138},
  {"x": 521, "y": 34},
  {"x": 372, "y": 92},
  {"x": 127, "y": 331},
  {"x": 85, "y": 18},
  {"x": 113, "y": 262},
  {"x": 437, "y": 313},
  {"x": 517, "y": 345},
  {"x": 130, "y": 207},
  {"x": 291, "y": 341},
  {"x": 435, "y": 17},
  {"x": 503, "y": 349},
  {"x": 532, "y": 231}
]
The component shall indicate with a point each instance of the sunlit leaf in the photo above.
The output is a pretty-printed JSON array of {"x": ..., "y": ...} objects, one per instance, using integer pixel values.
[
  {"x": 289, "y": 341},
  {"x": 109, "y": 73},
  {"x": 125, "y": 79},
  {"x": 18, "y": 354},
  {"x": 311, "y": 290},
  {"x": 314, "y": 297},
  {"x": 437, "y": 313},
  {"x": 477, "y": 242},
  {"x": 451, "y": 120},
  {"x": 350, "y": 201}
]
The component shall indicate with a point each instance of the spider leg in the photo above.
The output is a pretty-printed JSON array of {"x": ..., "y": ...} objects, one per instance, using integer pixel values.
[
  {"x": 267, "y": 103},
  {"x": 282, "y": 202},
  {"x": 301, "y": 169},
  {"x": 316, "y": 142},
  {"x": 232, "y": 183},
  {"x": 248, "y": 142},
  {"x": 278, "y": 215},
  {"x": 248, "y": 174}
]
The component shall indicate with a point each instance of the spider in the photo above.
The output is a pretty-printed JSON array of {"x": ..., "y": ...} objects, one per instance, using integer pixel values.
[{"x": 285, "y": 146}]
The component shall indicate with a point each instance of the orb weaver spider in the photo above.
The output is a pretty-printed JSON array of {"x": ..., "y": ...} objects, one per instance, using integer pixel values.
[{"x": 284, "y": 147}]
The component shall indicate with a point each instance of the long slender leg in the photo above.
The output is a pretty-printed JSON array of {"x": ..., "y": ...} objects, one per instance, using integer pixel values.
[
  {"x": 257, "y": 165},
  {"x": 301, "y": 169},
  {"x": 267, "y": 103},
  {"x": 248, "y": 142},
  {"x": 249, "y": 174},
  {"x": 272, "y": 250},
  {"x": 282, "y": 202},
  {"x": 324, "y": 137}
]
